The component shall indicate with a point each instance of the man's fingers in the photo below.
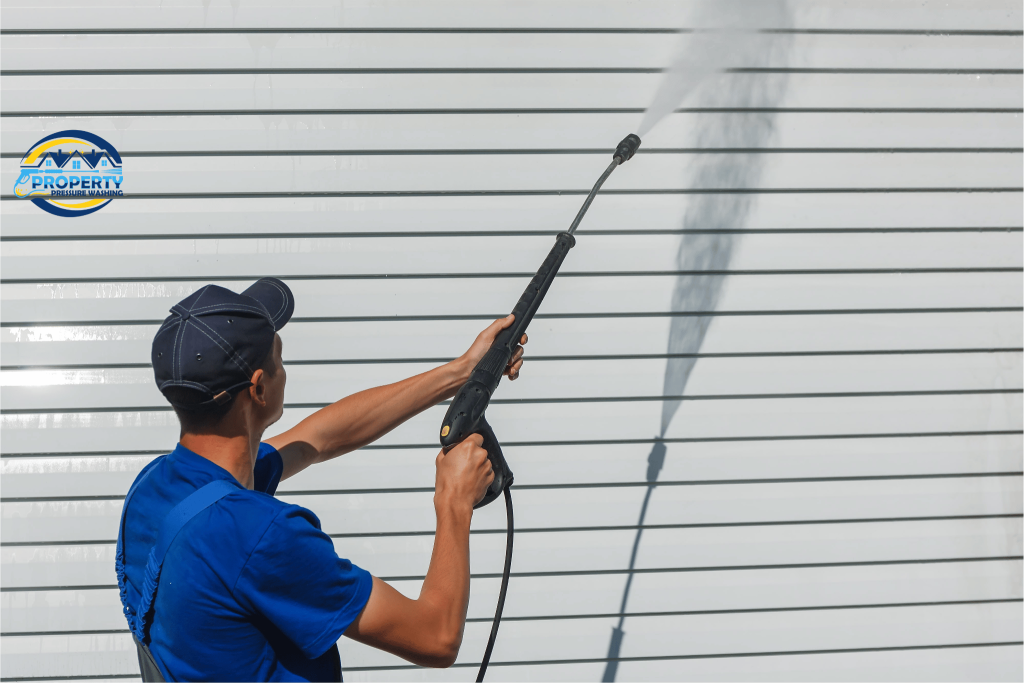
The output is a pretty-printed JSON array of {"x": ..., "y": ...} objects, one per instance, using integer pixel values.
[
  {"x": 525, "y": 339},
  {"x": 497, "y": 326},
  {"x": 515, "y": 364},
  {"x": 517, "y": 357},
  {"x": 502, "y": 323},
  {"x": 477, "y": 440}
]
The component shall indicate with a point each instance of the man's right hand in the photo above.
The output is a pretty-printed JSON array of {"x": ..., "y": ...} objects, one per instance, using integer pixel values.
[{"x": 463, "y": 474}]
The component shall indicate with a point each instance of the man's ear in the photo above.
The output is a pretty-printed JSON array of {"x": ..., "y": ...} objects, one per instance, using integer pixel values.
[{"x": 258, "y": 390}]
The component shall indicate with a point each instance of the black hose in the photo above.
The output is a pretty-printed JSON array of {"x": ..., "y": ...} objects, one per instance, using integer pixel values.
[{"x": 510, "y": 529}]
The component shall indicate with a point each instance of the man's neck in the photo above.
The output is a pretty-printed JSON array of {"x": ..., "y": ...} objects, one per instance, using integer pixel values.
[{"x": 236, "y": 454}]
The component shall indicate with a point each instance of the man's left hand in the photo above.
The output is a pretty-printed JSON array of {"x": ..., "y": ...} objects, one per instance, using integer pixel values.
[{"x": 483, "y": 343}]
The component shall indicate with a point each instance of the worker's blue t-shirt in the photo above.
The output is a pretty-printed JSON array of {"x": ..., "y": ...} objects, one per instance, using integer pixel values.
[{"x": 251, "y": 589}]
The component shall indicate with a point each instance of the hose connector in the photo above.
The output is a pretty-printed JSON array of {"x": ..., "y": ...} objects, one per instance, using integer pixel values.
[{"x": 627, "y": 148}]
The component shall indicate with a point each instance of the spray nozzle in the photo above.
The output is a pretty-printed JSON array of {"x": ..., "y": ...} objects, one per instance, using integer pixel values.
[{"x": 627, "y": 148}]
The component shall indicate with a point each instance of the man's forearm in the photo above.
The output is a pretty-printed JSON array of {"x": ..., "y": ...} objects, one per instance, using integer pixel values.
[
  {"x": 446, "y": 586},
  {"x": 364, "y": 417},
  {"x": 426, "y": 631}
]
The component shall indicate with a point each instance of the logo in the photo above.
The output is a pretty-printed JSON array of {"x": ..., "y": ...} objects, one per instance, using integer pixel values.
[{"x": 71, "y": 173}]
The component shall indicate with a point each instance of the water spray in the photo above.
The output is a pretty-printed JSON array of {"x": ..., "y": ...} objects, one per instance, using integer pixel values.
[
  {"x": 465, "y": 415},
  {"x": 728, "y": 34}
]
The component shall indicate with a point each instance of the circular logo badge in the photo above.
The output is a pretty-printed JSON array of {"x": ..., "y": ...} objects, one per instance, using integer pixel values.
[{"x": 70, "y": 173}]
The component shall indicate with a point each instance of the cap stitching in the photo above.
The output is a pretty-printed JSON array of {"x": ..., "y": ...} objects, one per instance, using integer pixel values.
[
  {"x": 175, "y": 350},
  {"x": 221, "y": 307},
  {"x": 266, "y": 311},
  {"x": 284, "y": 298},
  {"x": 178, "y": 382},
  {"x": 232, "y": 355},
  {"x": 202, "y": 293},
  {"x": 170, "y": 319},
  {"x": 178, "y": 346}
]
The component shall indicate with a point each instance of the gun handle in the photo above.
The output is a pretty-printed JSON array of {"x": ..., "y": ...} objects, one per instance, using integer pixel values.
[
  {"x": 465, "y": 415},
  {"x": 535, "y": 292},
  {"x": 502, "y": 474}
]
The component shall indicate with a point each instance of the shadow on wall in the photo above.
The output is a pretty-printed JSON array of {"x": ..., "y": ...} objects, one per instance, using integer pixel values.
[{"x": 712, "y": 250}]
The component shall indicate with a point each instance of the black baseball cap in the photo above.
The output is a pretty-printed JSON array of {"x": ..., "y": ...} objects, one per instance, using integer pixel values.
[{"x": 214, "y": 339}]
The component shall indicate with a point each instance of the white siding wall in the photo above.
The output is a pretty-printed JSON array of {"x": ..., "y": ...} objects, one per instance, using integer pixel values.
[{"x": 841, "y": 487}]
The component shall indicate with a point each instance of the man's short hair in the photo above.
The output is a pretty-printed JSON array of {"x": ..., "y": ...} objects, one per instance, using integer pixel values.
[{"x": 206, "y": 418}]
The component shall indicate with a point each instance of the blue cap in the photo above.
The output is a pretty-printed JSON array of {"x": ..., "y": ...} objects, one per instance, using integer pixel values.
[{"x": 214, "y": 339}]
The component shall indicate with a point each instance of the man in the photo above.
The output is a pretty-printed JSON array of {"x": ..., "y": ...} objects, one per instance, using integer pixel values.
[{"x": 220, "y": 580}]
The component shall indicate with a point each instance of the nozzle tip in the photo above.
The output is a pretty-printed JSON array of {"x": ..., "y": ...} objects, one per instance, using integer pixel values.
[{"x": 627, "y": 148}]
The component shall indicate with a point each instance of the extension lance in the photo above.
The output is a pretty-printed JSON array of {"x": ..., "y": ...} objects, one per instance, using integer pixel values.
[{"x": 465, "y": 415}]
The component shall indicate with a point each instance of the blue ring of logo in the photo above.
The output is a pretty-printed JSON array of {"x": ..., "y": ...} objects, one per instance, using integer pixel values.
[{"x": 61, "y": 160}]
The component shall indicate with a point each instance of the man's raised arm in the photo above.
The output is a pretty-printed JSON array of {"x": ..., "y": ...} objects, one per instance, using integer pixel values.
[
  {"x": 428, "y": 631},
  {"x": 362, "y": 418}
]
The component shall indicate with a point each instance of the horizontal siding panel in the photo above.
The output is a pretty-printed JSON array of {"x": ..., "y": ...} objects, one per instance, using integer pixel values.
[
  {"x": 680, "y": 505},
  {"x": 488, "y": 298},
  {"x": 487, "y": 257},
  {"x": 317, "y": 133},
  {"x": 722, "y": 634},
  {"x": 365, "y": 341},
  {"x": 75, "y": 610},
  {"x": 367, "y": 513},
  {"x": 49, "y": 95},
  {"x": 110, "y": 474},
  {"x": 55, "y": 390},
  {"x": 482, "y": 51},
  {"x": 286, "y": 216},
  {"x": 63, "y": 432},
  {"x": 527, "y": 173},
  {"x": 866, "y": 14},
  {"x": 99, "y": 655},
  {"x": 603, "y": 550}
]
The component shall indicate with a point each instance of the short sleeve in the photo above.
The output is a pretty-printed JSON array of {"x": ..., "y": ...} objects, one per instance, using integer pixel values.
[
  {"x": 296, "y": 580},
  {"x": 268, "y": 469}
]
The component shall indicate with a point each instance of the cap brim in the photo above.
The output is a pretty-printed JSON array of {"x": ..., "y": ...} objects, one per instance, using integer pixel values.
[{"x": 275, "y": 297}]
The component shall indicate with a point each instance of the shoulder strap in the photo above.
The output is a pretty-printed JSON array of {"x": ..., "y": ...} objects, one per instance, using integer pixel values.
[
  {"x": 184, "y": 511},
  {"x": 176, "y": 519}
]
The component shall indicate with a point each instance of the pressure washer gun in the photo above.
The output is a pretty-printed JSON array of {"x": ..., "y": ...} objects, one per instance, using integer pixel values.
[{"x": 466, "y": 413}]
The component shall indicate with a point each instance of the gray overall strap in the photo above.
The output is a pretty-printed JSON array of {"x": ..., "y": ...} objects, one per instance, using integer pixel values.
[
  {"x": 176, "y": 519},
  {"x": 147, "y": 665}
]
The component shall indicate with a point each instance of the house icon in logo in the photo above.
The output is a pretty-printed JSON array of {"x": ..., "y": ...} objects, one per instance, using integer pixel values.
[{"x": 93, "y": 160}]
